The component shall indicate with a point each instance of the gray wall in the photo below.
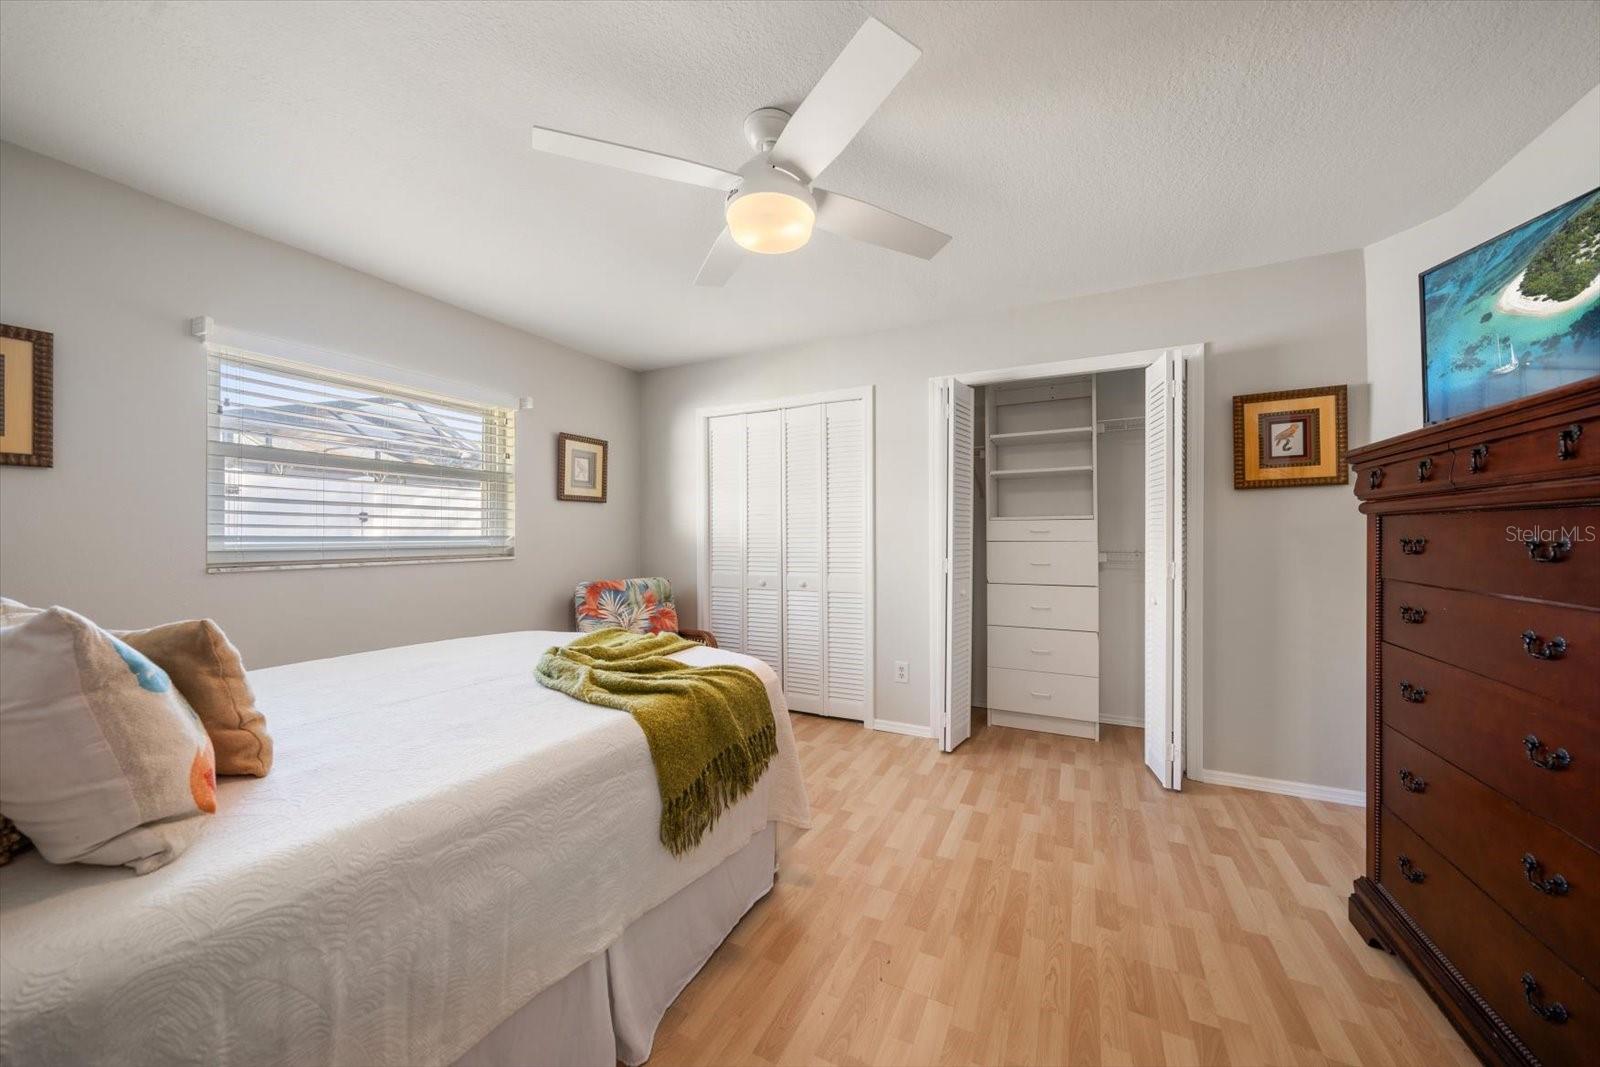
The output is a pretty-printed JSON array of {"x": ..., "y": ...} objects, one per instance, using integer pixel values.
[
  {"x": 117, "y": 529},
  {"x": 1283, "y": 568}
]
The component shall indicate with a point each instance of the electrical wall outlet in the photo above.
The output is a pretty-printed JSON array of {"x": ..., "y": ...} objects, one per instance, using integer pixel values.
[{"x": 902, "y": 671}]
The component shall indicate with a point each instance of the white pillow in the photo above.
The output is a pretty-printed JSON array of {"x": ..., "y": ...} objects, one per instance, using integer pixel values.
[{"x": 101, "y": 760}]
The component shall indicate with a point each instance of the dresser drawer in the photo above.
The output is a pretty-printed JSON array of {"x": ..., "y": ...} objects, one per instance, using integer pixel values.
[
  {"x": 1043, "y": 530},
  {"x": 1484, "y": 727},
  {"x": 1546, "y": 649},
  {"x": 1061, "y": 696},
  {"x": 1410, "y": 473},
  {"x": 1489, "y": 838},
  {"x": 1548, "y": 553},
  {"x": 1044, "y": 562},
  {"x": 1559, "y": 448},
  {"x": 1054, "y": 651},
  {"x": 1049, "y": 607},
  {"x": 1490, "y": 949}
]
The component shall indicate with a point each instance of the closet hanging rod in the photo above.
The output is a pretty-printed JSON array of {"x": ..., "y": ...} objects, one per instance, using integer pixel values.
[{"x": 1039, "y": 436}]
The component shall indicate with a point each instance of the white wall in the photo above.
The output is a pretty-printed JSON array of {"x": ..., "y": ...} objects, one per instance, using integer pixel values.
[
  {"x": 1556, "y": 166},
  {"x": 117, "y": 528},
  {"x": 1283, "y": 568}
]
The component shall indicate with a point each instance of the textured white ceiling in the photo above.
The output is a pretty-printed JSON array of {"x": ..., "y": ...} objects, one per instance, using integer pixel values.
[{"x": 1070, "y": 148}]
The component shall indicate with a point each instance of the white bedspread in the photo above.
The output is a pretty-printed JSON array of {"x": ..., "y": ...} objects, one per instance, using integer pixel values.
[{"x": 440, "y": 839}]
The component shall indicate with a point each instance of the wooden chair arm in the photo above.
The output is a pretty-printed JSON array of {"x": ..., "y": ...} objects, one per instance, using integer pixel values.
[{"x": 700, "y": 637}]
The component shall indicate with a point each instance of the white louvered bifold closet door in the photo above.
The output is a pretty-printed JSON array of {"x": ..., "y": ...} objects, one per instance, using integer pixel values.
[
  {"x": 725, "y": 481},
  {"x": 845, "y": 559},
  {"x": 763, "y": 544},
  {"x": 802, "y": 550},
  {"x": 960, "y": 427},
  {"x": 1163, "y": 547}
]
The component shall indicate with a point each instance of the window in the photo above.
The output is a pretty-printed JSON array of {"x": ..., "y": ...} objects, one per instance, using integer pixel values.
[{"x": 308, "y": 468}]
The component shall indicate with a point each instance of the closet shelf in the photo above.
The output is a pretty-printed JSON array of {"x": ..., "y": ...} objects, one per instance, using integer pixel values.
[
  {"x": 1040, "y": 436},
  {"x": 1038, "y": 472}
]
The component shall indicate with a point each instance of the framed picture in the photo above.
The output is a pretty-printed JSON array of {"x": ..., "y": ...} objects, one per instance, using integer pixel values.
[
  {"x": 26, "y": 397},
  {"x": 1292, "y": 437},
  {"x": 580, "y": 468},
  {"x": 1514, "y": 316}
]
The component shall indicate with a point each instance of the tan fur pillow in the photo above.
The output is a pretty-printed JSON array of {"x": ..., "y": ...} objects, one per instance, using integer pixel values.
[{"x": 208, "y": 671}]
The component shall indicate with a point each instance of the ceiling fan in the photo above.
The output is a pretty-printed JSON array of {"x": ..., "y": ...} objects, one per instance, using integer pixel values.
[{"x": 772, "y": 204}]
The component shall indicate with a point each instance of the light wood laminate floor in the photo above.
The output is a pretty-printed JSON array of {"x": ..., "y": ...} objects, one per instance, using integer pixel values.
[{"x": 1038, "y": 899}]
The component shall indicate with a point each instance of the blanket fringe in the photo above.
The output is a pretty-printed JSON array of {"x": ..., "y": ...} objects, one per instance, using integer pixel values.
[{"x": 733, "y": 772}]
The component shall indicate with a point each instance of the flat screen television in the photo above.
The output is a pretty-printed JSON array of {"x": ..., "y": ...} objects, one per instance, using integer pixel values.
[{"x": 1514, "y": 316}]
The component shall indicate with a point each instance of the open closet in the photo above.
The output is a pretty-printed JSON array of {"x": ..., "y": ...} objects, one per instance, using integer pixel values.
[{"x": 1062, "y": 508}]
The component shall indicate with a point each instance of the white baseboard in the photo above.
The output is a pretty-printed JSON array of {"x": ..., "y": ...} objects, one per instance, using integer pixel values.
[
  {"x": 1353, "y": 797},
  {"x": 1118, "y": 720},
  {"x": 910, "y": 729}
]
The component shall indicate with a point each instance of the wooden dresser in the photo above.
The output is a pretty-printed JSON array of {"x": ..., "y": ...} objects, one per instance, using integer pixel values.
[{"x": 1483, "y": 726}]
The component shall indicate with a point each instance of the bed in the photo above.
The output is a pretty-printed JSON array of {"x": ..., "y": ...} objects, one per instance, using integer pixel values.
[{"x": 448, "y": 864}]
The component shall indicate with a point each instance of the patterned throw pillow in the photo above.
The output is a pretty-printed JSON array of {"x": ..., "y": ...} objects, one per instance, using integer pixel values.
[
  {"x": 643, "y": 605},
  {"x": 101, "y": 759}
]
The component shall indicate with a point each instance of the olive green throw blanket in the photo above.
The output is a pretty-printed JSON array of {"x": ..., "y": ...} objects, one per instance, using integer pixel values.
[{"x": 710, "y": 729}]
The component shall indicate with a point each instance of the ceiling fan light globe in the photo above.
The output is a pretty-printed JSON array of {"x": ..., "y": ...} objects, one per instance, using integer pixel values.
[{"x": 770, "y": 222}]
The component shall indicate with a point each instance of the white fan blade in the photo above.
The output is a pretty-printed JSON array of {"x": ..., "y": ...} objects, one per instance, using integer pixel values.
[
  {"x": 859, "y": 81},
  {"x": 723, "y": 259},
  {"x": 862, "y": 221},
  {"x": 591, "y": 150}
]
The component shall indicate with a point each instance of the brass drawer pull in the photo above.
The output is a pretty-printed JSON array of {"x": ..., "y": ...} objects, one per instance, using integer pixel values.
[
  {"x": 1555, "y": 761},
  {"x": 1554, "y": 886},
  {"x": 1415, "y": 694},
  {"x": 1411, "y": 783},
  {"x": 1551, "y": 1013},
  {"x": 1374, "y": 477},
  {"x": 1413, "y": 546},
  {"x": 1567, "y": 441},
  {"x": 1424, "y": 468},
  {"x": 1538, "y": 648},
  {"x": 1412, "y": 615},
  {"x": 1548, "y": 551},
  {"x": 1478, "y": 459}
]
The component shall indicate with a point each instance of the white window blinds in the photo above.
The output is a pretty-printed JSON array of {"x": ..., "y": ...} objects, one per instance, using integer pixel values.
[{"x": 308, "y": 468}]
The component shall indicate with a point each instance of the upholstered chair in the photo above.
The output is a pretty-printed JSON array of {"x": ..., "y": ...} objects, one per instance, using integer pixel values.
[{"x": 643, "y": 605}]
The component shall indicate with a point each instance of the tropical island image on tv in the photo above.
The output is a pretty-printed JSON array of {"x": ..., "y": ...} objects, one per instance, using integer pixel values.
[{"x": 1516, "y": 315}]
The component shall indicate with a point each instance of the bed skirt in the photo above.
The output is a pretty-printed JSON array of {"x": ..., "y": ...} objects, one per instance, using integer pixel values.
[{"x": 608, "y": 1009}]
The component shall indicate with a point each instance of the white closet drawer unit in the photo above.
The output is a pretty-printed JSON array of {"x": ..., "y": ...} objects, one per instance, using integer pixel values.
[
  {"x": 1042, "y": 530},
  {"x": 1055, "y": 651},
  {"x": 1044, "y": 562},
  {"x": 1062, "y": 696},
  {"x": 1050, "y": 607}
]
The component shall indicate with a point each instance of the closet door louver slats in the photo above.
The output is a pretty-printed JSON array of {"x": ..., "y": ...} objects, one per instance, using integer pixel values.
[
  {"x": 1157, "y": 554},
  {"x": 763, "y": 554},
  {"x": 845, "y": 558},
  {"x": 958, "y": 587},
  {"x": 725, "y": 475},
  {"x": 802, "y": 547}
]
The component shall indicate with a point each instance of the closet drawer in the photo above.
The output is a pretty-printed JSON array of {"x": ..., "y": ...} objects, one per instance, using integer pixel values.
[
  {"x": 1062, "y": 696},
  {"x": 1050, "y": 607},
  {"x": 1484, "y": 726},
  {"x": 1044, "y": 562},
  {"x": 1546, "y": 878},
  {"x": 1543, "y": 648},
  {"x": 1546, "y": 553},
  {"x": 1054, "y": 651},
  {"x": 1490, "y": 949},
  {"x": 1042, "y": 530}
]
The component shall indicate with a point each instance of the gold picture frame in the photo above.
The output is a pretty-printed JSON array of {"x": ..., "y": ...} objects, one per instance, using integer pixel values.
[
  {"x": 27, "y": 360},
  {"x": 583, "y": 466},
  {"x": 1292, "y": 437}
]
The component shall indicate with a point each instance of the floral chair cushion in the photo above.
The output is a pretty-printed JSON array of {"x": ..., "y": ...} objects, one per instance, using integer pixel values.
[{"x": 643, "y": 605}]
